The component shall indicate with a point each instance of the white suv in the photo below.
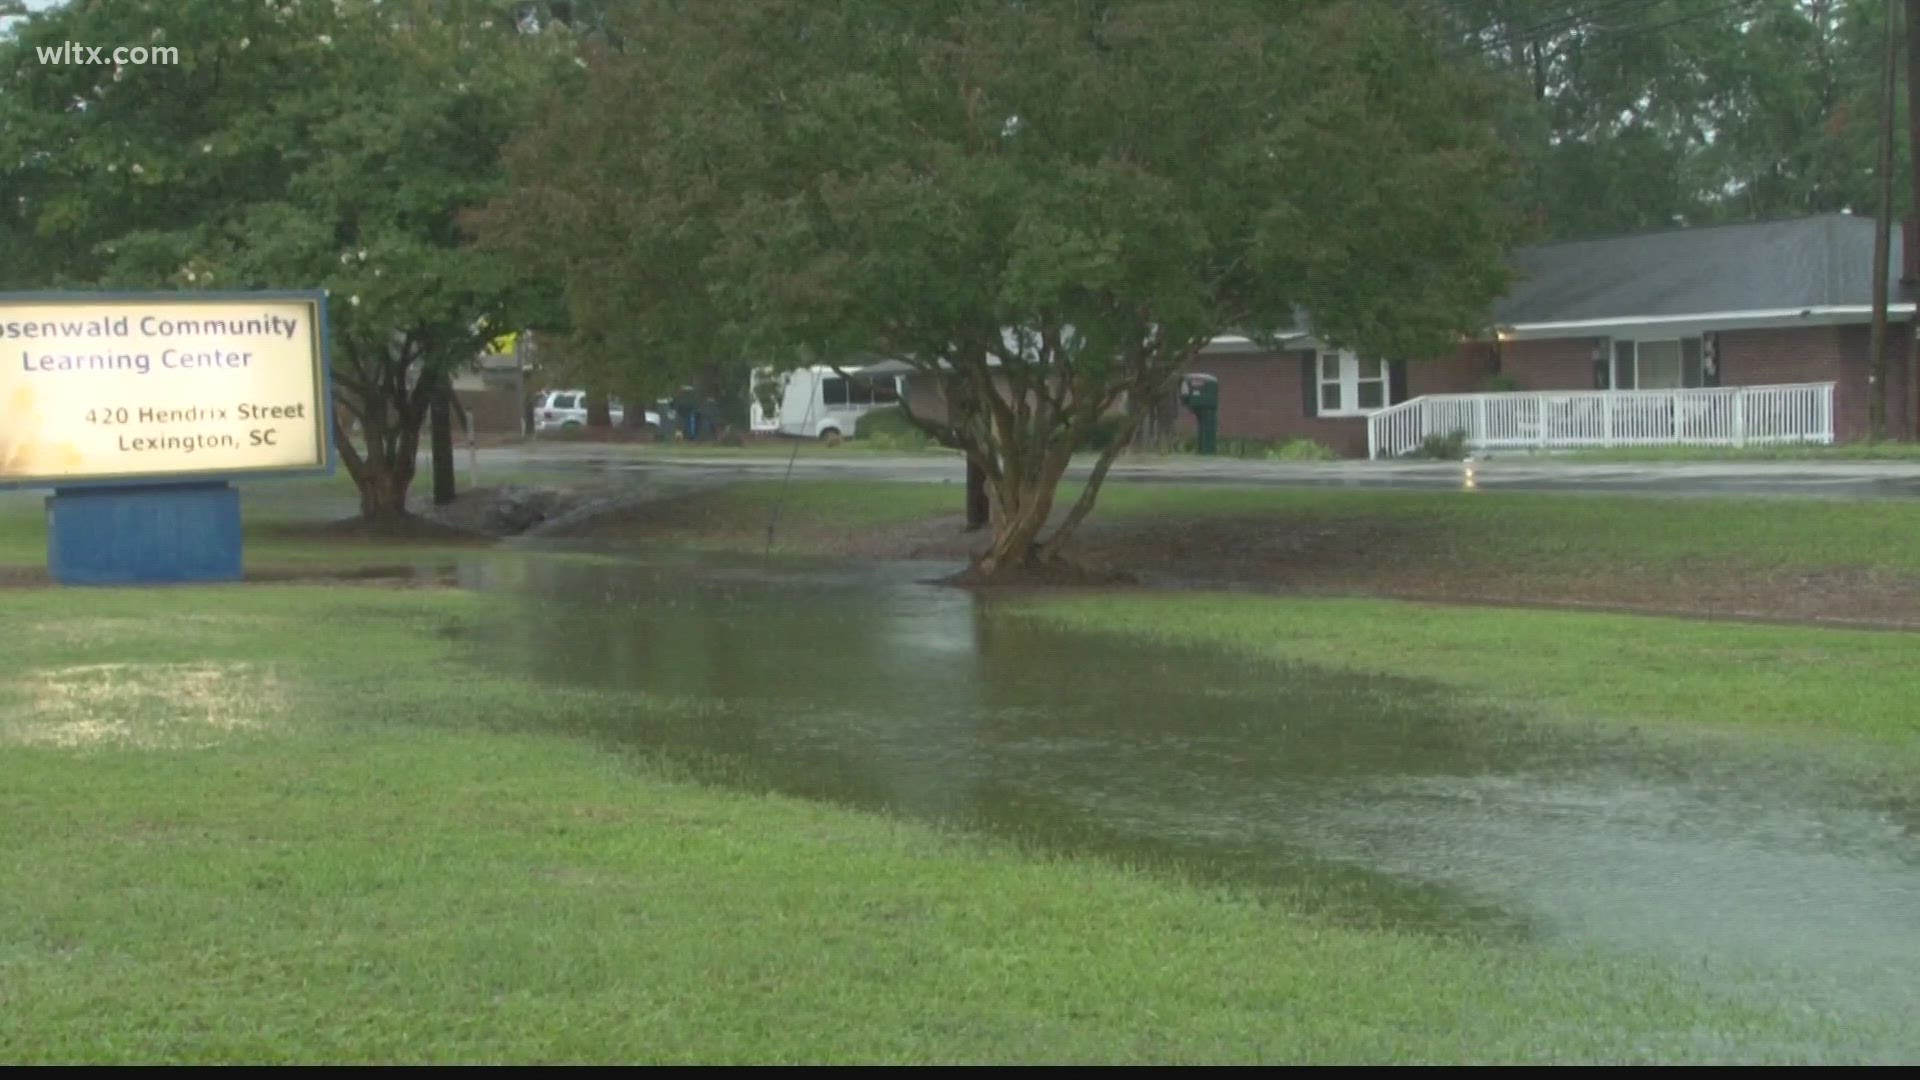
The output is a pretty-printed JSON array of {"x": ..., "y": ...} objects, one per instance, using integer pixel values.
[{"x": 555, "y": 410}]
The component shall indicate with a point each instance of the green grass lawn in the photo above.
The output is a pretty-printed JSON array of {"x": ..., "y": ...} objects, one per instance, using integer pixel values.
[
  {"x": 1815, "y": 686},
  {"x": 1504, "y": 528},
  {"x": 289, "y": 824},
  {"x": 1589, "y": 530},
  {"x": 301, "y": 824},
  {"x": 272, "y": 513}
]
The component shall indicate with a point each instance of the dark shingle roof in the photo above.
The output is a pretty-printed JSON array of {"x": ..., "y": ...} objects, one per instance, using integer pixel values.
[{"x": 1754, "y": 266}]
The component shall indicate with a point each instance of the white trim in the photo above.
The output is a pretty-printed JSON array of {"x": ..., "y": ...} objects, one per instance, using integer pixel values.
[
  {"x": 1639, "y": 375},
  {"x": 1760, "y": 318},
  {"x": 1348, "y": 382},
  {"x": 1242, "y": 343},
  {"x": 1776, "y": 316},
  {"x": 1560, "y": 420}
]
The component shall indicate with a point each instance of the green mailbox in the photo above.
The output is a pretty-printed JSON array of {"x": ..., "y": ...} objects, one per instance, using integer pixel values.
[{"x": 1201, "y": 395}]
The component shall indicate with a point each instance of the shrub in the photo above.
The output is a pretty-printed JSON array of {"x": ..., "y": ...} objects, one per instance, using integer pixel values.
[
  {"x": 1260, "y": 449},
  {"x": 1449, "y": 447},
  {"x": 891, "y": 419},
  {"x": 888, "y": 429},
  {"x": 1500, "y": 384},
  {"x": 1301, "y": 450},
  {"x": 895, "y": 440},
  {"x": 1102, "y": 434}
]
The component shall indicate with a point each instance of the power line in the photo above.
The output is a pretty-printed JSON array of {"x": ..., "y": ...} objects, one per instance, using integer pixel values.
[
  {"x": 1698, "y": 16},
  {"x": 1560, "y": 23},
  {"x": 1629, "y": 35}
]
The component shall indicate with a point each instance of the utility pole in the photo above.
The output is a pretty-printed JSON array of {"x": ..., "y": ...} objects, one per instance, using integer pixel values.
[
  {"x": 1882, "y": 233},
  {"x": 1910, "y": 232},
  {"x": 520, "y": 386},
  {"x": 525, "y": 355}
]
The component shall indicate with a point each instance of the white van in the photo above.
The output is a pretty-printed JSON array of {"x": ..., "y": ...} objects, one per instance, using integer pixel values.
[{"x": 818, "y": 402}]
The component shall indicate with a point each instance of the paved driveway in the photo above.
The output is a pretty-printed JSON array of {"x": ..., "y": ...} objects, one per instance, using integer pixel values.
[{"x": 1819, "y": 479}]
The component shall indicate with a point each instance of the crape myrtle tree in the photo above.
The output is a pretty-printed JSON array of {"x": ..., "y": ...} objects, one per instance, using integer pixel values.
[
  {"x": 1047, "y": 207},
  {"x": 295, "y": 144}
]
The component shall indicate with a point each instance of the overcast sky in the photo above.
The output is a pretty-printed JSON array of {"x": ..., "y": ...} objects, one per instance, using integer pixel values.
[{"x": 36, "y": 5}]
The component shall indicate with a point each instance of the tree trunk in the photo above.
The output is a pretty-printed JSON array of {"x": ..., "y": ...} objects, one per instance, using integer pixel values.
[
  {"x": 382, "y": 467},
  {"x": 382, "y": 477},
  {"x": 440, "y": 417},
  {"x": 1014, "y": 540},
  {"x": 1020, "y": 498},
  {"x": 979, "y": 506},
  {"x": 599, "y": 413},
  {"x": 383, "y": 494}
]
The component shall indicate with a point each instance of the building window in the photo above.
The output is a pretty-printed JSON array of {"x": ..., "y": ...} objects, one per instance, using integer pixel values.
[
  {"x": 1673, "y": 364},
  {"x": 1351, "y": 385},
  {"x": 839, "y": 393}
]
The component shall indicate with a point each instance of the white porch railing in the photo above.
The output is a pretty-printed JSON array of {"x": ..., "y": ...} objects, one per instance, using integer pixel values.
[{"x": 1566, "y": 420}]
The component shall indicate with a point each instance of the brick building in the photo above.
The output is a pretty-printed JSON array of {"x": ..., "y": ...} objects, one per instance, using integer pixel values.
[
  {"x": 1753, "y": 304},
  {"x": 1758, "y": 304}
]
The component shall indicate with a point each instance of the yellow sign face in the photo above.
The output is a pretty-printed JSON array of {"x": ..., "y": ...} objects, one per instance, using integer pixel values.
[{"x": 159, "y": 386}]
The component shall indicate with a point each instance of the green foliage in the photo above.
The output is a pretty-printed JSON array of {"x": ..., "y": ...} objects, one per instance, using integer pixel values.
[
  {"x": 896, "y": 440},
  {"x": 1302, "y": 450},
  {"x": 1665, "y": 112},
  {"x": 1055, "y": 203},
  {"x": 891, "y": 420},
  {"x": 889, "y": 429},
  {"x": 1299, "y": 449},
  {"x": 316, "y": 145},
  {"x": 1244, "y": 448},
  {"x": 1103, "y": 431},
  {"x": 1502, "y": 383},
  {"x": 1451, "y": 446}
]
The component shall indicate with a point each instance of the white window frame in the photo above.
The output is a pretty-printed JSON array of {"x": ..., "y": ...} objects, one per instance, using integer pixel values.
[
  {"x": 1348, "y": 381},
  {"x": 1679, "y": 343}
]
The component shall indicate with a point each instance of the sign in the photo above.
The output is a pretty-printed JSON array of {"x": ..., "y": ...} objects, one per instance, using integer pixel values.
[{"x": 147, "y": 388}]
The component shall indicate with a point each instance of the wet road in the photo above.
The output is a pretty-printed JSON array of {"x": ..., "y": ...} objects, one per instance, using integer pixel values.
[
  {"x": 1374, "y": 801},
  {"x": 1803, "y": 479}
]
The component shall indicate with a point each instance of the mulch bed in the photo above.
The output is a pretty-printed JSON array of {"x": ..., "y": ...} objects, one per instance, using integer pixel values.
[{"x": 412, "y": 528}]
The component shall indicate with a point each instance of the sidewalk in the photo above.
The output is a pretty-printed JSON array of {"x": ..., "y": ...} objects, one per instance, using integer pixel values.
[{"x": 1819, "y": 479}]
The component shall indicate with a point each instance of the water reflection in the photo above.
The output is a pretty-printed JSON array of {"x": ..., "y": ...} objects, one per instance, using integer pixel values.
[{"x": 1376, "y": 799}]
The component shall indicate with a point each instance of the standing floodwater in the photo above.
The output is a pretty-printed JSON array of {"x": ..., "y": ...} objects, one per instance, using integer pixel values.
[{"x": 1371, "y": 799}]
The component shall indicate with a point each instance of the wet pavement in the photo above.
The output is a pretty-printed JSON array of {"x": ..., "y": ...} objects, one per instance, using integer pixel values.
[
  {"x": 1799, "y": 479},
  {"x": 1371, "y": 801}
]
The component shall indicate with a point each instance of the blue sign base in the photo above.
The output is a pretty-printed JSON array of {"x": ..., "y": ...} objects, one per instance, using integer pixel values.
[{"x": 146, "y": 535}]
